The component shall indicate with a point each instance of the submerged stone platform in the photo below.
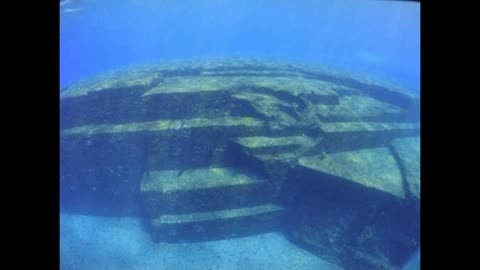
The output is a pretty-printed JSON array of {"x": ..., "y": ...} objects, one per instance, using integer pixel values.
[{"x": 220, "y": 149}]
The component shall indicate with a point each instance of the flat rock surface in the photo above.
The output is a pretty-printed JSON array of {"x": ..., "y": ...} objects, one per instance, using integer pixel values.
[
  {"x": 357, "y": 107},
  {"x": 164, "y": 125},
  {"x": 374, "y": 168},
  {"x": 214, "y": 215},
  {"x": 175, "y": 180},
  {"x": 112, "y": 80},
  {"x": 120, "y": 243},
  {"x": 366, "y": 126},
  {"x": 262, "y": 141}
]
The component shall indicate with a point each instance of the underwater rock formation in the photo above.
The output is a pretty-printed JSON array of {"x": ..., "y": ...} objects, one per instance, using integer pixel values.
[{"x": 218, "y": 149}]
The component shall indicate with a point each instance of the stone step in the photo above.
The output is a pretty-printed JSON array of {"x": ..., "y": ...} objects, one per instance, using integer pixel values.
[
  {"x": 113, "y": 106},
  {"x": 396, "y": 97},
  {"x": 374, "y": 168},
  {"x": 364, "y": 108},
  {"x": 164, "y": 143},
  {"x": 141, "y": 79},
  {"x": 345, "y": 136},
  {"x": 164, "y": 125},
  {"x": 195, "y": 84},
  {"x": 271, "y": 107},
  {"x": 113, "y": 97},
  {"x": 354, "y": 208},
  {"x": 175, "y": 191},
  {"x": 183, "y": 97},
  {"x": 228, "y": 223},
  {"x": 109, "y": 160},
  {"x": 281, "y": 87},
  {"x": 272, "y": 145},
  {"x": 173, "y": 99}
]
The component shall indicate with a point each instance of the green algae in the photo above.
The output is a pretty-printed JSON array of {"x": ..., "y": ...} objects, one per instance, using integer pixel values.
[
  {"x": 111, "y": 81},
  {"x": 357, "y": 107},
  {"x": 216, "y": 215},
  {"x": 263, "y": 141},
  {"x": 374, "y": 168},
  {"x": 366, "y": 126},
  {"x": 174, "y": 180},
  {"x": 162, "y": 125}
]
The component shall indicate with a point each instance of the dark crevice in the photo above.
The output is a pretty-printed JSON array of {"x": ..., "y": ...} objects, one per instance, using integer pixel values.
[
  {"x": 290, "y": 111},
  {"x": 403, "y": 172}
]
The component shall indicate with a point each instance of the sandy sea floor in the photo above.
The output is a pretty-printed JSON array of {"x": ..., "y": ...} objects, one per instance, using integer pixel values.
[{"x": 105, "y": 243}]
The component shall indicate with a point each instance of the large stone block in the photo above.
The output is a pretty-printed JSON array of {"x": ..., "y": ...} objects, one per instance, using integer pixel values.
[
  {"x": 351, "y": 209},
  {"x": 345, "y": 136},
  {"x": 364, "y": 108},
  {"x": 176, "y": 191},
  {"x": 229, "y": 223}
]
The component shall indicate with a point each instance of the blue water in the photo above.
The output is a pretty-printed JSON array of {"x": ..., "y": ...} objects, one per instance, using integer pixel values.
[
  {"x": 370, "y": 38},
  {"x": 380, "y": 39},
  {"x": 414, "y": 262}
]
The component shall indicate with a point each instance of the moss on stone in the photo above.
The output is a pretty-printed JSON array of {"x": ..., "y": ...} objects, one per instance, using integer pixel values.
[
  {"x": 216, "y": 215},
  {"x": 353, "y": 107},
  {"x": 374, "y": 168},
  {"x": 175, "y": 180},
  {"x": 263, "y": 141},
  {"x": 113, "y": 80},
  {"x": 162, "y": 125},
  {"x": 366, "y": 126},
  {"x": 191, "y": 85}
]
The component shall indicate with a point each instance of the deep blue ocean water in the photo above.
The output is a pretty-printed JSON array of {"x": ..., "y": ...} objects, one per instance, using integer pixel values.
[
  {"x": 375, "y": 39},
  {"x": 380, "y": 39}
]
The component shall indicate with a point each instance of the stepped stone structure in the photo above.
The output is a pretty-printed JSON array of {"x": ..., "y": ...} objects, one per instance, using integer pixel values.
[{"x": 209, "y": 150}]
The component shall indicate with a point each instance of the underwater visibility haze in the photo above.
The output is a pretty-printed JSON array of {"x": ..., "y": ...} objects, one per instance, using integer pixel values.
[{"x": 219, "y": 134}]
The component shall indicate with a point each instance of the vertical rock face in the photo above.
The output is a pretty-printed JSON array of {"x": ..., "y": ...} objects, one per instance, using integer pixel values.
[{"x": 211, "y": 150}]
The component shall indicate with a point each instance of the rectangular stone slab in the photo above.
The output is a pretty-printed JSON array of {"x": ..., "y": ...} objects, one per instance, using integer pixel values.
[
  {"x": 176, "y": 191},
  {"x": 362, "y": 108},
  {"x": 102, "y": 107},
  {"x": 374, "y": 168},
  {"x": 112, "y": 81},
  {"x": 338, "y": 127},
  {"x": 228, "y": 223},
  {"x": 317, "y": 91},
  {"x": 193, "y": 84},
  {"x": 195, "y": 104},
  {"x": 125, "y": 105},
  {"x": 164, "y": 144},
  {"x": 108, "y": 161},
  {"x": 346, "y": 136},
  {"x": 173, "y": 180},
  {"x": 350, "y": 206},
  {"x": 161, "y": 125},
  {"x": 215, "y": 215},
  {"x": 269, "y": 145}
]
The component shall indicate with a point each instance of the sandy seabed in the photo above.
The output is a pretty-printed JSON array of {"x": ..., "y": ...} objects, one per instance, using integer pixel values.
[{"x": 88, "y": 242}]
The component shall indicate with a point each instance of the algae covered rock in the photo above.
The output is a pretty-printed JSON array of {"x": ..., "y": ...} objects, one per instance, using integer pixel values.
[{"x": 213, "y": 149}]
